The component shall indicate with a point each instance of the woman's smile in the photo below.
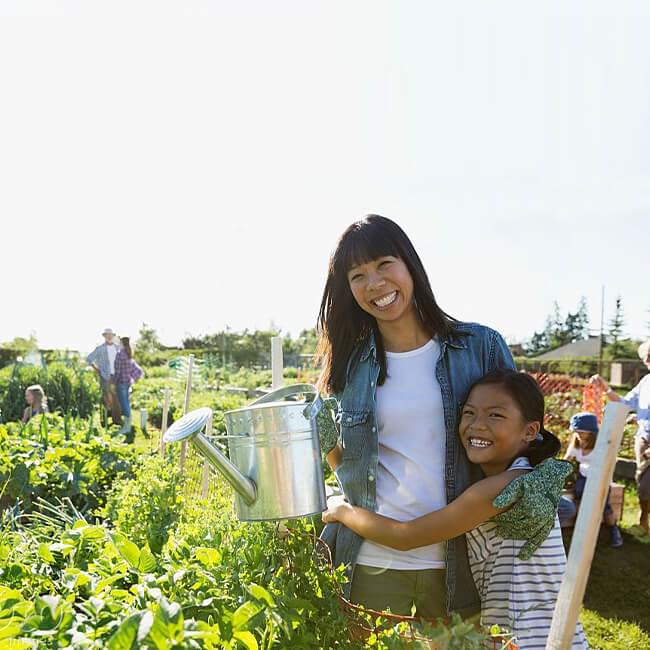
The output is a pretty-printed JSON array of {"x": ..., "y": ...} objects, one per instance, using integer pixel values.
[{"x": 385, "y": 301}]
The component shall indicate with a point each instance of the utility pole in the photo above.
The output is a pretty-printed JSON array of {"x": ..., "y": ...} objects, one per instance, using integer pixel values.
[{"x": 602, "y": 331}]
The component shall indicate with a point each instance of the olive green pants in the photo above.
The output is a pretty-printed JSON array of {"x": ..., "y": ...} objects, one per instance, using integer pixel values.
[{"x": 401, "y": 591}]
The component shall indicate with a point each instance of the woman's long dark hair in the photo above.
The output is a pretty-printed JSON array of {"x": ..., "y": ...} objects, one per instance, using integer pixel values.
[
  {"x": 525, "y": 391},
  {"x": 342, "y": 324},
  {"x": 126, "y": 346}
]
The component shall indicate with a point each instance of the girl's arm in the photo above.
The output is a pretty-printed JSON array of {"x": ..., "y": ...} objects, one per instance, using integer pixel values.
[
  {"x": 571, "y": 449},
  {"x": 27, "y": 413},
  {"x": 471, "y": 508}
]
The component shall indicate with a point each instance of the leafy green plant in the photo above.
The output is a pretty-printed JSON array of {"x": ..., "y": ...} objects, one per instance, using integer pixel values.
[{"x": 148, "y": 506}]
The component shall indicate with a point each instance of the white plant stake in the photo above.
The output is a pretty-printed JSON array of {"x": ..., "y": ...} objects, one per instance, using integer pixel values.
[
  {"x": 186, "y": 406},
  {"x": 277, "y": 362},
  {"x": 590, "y": 515},
  {"x": 165, "y": 418}
]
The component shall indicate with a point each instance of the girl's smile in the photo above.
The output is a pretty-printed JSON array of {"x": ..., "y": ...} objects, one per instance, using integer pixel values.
[{"x": 492, "y": 428}]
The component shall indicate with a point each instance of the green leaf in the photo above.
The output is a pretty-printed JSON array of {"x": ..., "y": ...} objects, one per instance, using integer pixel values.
[
  {"x": 247, "y": 639},
  {"x": 124, "y": 637},
  {"x": 244, "y": 613},
  {"x": 147, "y": 561},
  {"x": 9, "y": 629},
  {"x": 45, "y": 553},
  {"x": 127, "y": 549},
  {"x": 261, "y": 594},
  {"x": 207, "y": 556}
]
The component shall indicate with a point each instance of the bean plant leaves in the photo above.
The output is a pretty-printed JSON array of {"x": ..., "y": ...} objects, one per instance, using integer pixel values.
[
  {"x": 244, "y": 613},
  {"x": 261, "y": 594},
  {"x": 125, "y": 636},
  {"x": 247, "y": 638}
]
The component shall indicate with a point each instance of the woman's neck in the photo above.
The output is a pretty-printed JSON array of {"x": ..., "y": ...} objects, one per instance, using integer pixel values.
[{"x": 404, "y": 335}]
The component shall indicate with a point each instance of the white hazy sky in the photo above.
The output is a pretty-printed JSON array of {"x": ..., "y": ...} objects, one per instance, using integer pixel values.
[{"x": 191, "y": 164}]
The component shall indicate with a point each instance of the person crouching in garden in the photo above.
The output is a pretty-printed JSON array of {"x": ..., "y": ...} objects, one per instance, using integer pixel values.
[
  {"x": 638, "y": 399},
  {"x": 35, "y": 397},
  {"x": 127, "y": 371},
  {"x": 102, "y": 360},
  {"x": 585, "y": 429}
]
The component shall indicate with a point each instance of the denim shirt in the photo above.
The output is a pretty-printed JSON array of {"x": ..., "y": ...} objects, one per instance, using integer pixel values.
[{"x": 463, "y": 359}]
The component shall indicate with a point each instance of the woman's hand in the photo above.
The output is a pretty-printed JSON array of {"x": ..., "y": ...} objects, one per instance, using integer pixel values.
[{"x": 336, "y": 508}]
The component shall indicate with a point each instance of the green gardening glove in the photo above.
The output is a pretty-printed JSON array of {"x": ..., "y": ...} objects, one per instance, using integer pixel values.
[
  {"x": 534, "y": 497},
  {"x": 326, "y": 410}
]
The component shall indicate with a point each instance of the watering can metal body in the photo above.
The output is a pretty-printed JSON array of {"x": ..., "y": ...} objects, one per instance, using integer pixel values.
[{"x": 275, "y": 462}]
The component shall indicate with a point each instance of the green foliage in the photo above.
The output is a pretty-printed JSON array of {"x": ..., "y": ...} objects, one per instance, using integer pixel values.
[
  {"x": 54, "y": 458},
  {"x": 148, "y": 506},
  {"x": 559, "y": 331},
  {"x": 615, "y": 330},
  {"x": 68, "y": 389}
]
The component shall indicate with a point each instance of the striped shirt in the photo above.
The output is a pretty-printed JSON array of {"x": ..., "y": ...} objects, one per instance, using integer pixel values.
[{"x": 519, "y": 595}]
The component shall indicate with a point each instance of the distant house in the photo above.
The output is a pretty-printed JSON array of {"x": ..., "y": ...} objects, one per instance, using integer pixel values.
[
  {"x": 587, "y": 348},
  {"x": 517, "y": 349}
]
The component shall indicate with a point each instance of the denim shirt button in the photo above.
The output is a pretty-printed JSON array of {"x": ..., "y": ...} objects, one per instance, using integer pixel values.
[
  {"x": 372, "y": 383},
  {"x": 371, "y": 477},
  {"x": 374, "y": 429}
]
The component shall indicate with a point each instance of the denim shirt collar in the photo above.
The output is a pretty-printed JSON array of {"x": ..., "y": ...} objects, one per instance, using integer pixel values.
[{"x": 452, "y": 340}]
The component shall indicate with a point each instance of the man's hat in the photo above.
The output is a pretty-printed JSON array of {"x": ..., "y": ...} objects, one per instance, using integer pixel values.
[{"x": 108, "y": 330}]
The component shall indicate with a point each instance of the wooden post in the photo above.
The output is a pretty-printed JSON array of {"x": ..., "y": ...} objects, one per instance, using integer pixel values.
[
  {"x": 277, "y": 362},
  {"x": 585, "y": 534},
  {"x": 186, "y": 405},
  {"x": 205, "y": 479},
  {"x": 165, "y": 418}
]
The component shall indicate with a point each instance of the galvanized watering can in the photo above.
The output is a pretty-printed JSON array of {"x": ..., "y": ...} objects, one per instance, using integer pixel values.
[{"x": 275, "y": 462}]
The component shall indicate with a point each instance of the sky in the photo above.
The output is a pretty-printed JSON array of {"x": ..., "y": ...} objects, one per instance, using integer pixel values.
[{"x": 192, "y": 164}]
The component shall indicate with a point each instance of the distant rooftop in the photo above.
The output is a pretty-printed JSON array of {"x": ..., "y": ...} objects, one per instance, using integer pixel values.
[{"x": 587, "y": 348}]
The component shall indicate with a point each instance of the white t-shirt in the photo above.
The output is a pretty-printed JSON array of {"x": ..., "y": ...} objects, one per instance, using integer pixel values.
[
  {"x": 111, "y": 350},
  {"x": 412, "y": 443},
  {"x": 583, "y": 458}
]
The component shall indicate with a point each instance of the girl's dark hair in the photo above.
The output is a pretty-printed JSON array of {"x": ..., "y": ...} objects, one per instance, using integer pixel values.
[
  {"x": 342, "y": 324},
  {"x": 525, "y": 391},
  {"x": 126, "y": 346}
]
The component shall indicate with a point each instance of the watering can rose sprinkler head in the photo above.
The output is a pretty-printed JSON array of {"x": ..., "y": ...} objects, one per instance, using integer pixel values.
[{"x": 189, "y": 428}]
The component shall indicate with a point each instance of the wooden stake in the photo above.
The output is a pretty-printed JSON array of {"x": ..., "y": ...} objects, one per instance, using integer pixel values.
[
  {"x": 165, "y": 418},
  {"x": 585, "y": 535},
  {"x": 186, "y": 406},
  {"x": 277, "y": 362}
]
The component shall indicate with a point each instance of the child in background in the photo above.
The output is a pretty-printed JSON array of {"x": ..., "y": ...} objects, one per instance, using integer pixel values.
[
  {"x": 585, "y": 429},
  {"x": 35, "y": 397},
  {"x": 501, "y": 430}
]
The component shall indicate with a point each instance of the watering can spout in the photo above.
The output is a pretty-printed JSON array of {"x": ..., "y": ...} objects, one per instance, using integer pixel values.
[{"x": 189, "y": 428}]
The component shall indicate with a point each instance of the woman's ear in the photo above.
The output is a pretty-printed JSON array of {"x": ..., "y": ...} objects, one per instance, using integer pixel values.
[{"x": 531, "y": 430}]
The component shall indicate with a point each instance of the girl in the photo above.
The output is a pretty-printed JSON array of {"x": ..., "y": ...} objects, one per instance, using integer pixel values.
[
  {"x": 501, "y": 431},
  {"x": 35, "y": 397},
  {"x": 585, "y": 430},
  {"x": 398, "y": 367},
  {"x": 127, "y": 371}
]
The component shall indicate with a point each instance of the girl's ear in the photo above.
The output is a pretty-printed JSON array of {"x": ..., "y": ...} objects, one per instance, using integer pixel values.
[{"x": 531, "y": 430}]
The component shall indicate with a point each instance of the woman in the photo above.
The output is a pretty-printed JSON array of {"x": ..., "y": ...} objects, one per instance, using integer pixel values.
[
  {"x": 638, "y": 399},
  {"x": 400, "y": 367},
  {"x": 127, "y": 371}
]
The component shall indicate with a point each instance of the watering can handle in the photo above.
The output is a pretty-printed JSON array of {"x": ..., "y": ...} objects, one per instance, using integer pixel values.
[
  {"x": 285, "y": 391},
  {"x": 311, "y": 410}
]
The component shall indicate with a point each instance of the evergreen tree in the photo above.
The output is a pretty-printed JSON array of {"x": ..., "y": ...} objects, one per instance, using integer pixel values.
[{"x": 615, "y": 331}]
